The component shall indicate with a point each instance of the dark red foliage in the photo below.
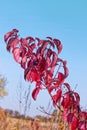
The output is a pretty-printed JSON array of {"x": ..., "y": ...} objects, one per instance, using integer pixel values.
[
  {"x": 35, "y": 92},
  {"x": 74, "y": 123},
  {"x": 41, "y": 63},
  {"x": 70, "y": 117},
  {"x": 57, "y": 97},
  {"x": 38, "y": 59}
]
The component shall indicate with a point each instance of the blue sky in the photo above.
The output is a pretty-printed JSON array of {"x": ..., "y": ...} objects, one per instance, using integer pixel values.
[{"x": 65, "y": 20}]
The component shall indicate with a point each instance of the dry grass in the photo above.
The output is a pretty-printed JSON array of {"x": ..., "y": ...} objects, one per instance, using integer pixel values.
[{"x": 9, "y": 123}]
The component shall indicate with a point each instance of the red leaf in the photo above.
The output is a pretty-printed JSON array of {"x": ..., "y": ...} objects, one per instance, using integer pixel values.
[
  {"x": 24, "y": 42},
  {"x": 42, "y": 65},
  {"x": 56, "y": 97},
  {"x": 74, "y": 123},
  {"x": 58, "y": 45},
  {"x": 64, "y": 115},
  {"x": 49, "y": 38},
  {"x": 66, "y": 101},
  {"x": 9, "y": 34},
  {"x": 54, "y": 60},
  {"x": 44, "y": 45},
  {"x": 32, "y": 46},
  {"x": 82, "y": 125},
  {"x": 35, "y": 92},
  {"x": 12, "y": 43},
  {"x": 16, "y": 54},
  {"x": 84, "y": 114},
  {"x": 70, "y": 117},
  {"x": 32, "y": 75},
  {"x": 77, "y": 98},
  {"x": 67, "y": 85},
  {"x": 60, "y": 76},
  {"x": 30, "y": 39},
  {"x": 58, "y": 81},
  {"x": 48, "y": 61},
  {"x": 23, "y": 62},
  {"x": 65, "y": 68},
  {"x": 39, "y": 41}
]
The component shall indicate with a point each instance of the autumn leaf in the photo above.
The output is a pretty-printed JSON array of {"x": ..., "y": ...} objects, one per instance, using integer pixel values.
[
  {"x": 35, "y": 92},
  {"x": 56, "y": 97}
]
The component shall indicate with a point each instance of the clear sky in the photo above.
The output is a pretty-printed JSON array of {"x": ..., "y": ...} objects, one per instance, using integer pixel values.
[{"x": 62, "y": 19}]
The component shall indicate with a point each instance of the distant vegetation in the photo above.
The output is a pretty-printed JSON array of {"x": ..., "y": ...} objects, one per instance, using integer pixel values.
[
  {"x": 12, "y": 120},
  {"x": 3, "y": 82}
]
